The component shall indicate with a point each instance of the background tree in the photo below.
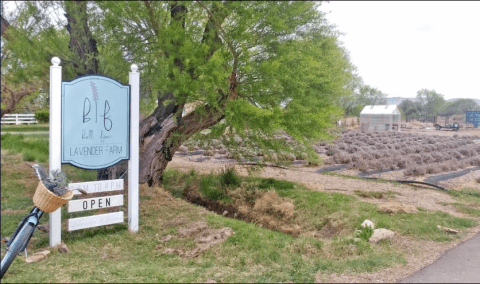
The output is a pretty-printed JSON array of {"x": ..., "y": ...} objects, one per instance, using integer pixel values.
[
  {"x": 410, "y": 109},
  {"x": 361, "y": 95},
  {"x": 257, "y": 67},
  {"x": 459, "y": 106},
  {"x": 431, "y": 102}
]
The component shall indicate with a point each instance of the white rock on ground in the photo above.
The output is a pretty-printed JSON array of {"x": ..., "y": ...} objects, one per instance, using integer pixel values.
[
  {"x": 39, "y": 256},
  {"x": 368, "y": 223},
  {"x": 380, "y": 234}
]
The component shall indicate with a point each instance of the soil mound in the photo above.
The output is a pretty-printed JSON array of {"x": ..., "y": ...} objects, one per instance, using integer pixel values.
[
  {"x": 395, "y": 207},
  {"x": 202, "y": 235}
]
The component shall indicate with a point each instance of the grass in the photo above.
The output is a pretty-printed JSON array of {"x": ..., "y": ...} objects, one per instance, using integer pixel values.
[
  {"x": 25, "y": 128},
  {"x": 252, "y": 254},
  {"x": 360, "y": 178},
  {"x": 375, "y": 194},
  {"x": 316, "y": 209},
  {"x": 468, "y": 201},
  {"x": 32, "y": 147}
]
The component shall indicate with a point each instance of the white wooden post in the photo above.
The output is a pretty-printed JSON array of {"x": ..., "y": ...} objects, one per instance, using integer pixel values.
[
  {"x": 55, "y": 234},
  {"x": 133, "y": 163}
]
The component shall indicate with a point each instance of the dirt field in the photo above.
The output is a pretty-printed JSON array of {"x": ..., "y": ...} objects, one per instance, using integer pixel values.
[{"x": 419, "y": 253}]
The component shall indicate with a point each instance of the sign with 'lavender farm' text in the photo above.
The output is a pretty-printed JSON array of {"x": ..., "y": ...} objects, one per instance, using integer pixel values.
[{"x": 95, "y": 122}]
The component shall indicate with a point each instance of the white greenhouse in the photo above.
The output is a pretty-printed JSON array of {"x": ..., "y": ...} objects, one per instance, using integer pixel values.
[{"x": 380, "y": 118}]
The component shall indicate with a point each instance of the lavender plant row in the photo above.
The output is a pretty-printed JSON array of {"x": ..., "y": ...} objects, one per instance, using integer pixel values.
[{"x": 416, "y": 154}]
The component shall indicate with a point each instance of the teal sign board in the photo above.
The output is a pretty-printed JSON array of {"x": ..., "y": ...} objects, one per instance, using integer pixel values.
[{"x": 95, "y": 122}]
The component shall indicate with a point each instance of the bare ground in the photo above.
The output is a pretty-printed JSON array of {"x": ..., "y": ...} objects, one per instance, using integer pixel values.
[
  {"x": 426, "y": 198},
  {"x": 418, "y": 253}
]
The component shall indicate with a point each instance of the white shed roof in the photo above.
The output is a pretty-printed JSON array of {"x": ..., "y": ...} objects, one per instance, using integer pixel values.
[{"x": 380, "y": 109}]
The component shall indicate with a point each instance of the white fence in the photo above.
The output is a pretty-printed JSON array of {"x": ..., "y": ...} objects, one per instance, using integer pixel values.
[{"x": 19, "y": 119}]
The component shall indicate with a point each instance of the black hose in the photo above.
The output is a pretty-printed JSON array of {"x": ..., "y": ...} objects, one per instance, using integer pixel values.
[{"x": 412, "y": 181}]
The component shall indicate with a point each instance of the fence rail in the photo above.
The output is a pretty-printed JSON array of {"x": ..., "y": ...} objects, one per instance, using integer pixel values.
[{"x": 19, "y": 118}]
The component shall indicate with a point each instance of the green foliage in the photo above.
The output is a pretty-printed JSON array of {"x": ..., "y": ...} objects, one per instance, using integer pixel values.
[
  {"x": 432, "y": 103},
  {"x": 410, "y": 109},
  {"x": 43, "y": 116},
  {"x": 459, "y": 106},
  {"x": 365, "y": 233},
  {"x": 212, "y": 188},
  {"x": 361, "y": 95},
  {"x": 281, "y": 185},
  {"x": 229, "y": 178},
  {"x": 261, "y": 66}
]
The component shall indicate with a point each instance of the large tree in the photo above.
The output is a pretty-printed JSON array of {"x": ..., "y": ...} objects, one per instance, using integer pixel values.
[
  {"x": 257, "y": 67},
  {"x": 432, "y": 103},
  {"x": 410, "y": 109}
]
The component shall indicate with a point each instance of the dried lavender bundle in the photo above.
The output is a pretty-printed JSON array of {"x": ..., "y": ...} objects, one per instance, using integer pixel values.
[{"x": 57, "y": 184}]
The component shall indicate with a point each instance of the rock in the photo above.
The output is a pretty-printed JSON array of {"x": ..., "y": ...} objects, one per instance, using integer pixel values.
[
  {"x": 39, "y": 256},
  {"x": 368, "y": 223},
  {"x": 166, "y": 238},
  {"x": 183, "y": 149},
  {"x": 62, "y": 248},
  {"x": 380, "y": 234},
  {"x": 395, "y": 207},
  {"x": 448, "y": 230},
  {"x": 43, "y": 229},
  {"x": 225, "y": 213}
]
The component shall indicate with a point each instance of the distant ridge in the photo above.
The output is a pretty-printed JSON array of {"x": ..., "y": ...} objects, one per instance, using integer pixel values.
[{"x": 399, "y": 100}]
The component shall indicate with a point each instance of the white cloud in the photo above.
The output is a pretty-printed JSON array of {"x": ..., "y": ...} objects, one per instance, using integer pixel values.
[{"x": 402, "y": 47}]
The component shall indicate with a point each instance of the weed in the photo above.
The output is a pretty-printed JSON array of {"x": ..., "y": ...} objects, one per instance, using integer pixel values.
[
  {"x": 365, "y": 233},
  {"x": 211, "y": 187},
  {"x": 229, "y": 177}
]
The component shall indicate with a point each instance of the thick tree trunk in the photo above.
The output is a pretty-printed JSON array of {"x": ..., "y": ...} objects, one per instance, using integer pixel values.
[
  {"x": 81, "y": 41},
  {"x": 5, "y": 26},
  {"x": 157, "y": 146}
]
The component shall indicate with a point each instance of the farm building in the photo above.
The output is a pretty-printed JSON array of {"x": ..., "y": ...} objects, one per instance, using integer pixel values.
[{"x": 380, "y": 118}]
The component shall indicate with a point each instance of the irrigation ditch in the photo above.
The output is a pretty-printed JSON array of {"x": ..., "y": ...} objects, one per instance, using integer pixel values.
[{"x": 261, "y": 219}]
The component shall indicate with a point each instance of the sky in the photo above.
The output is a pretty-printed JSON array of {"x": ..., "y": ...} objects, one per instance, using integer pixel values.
[{"x": 402, "y": 47}]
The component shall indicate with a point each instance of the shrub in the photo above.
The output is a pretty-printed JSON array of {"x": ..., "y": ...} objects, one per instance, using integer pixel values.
[
  {"x": 432, "y": 169},
  {"x": 361, "y": 165},
  {"x": 42, "y": 116},
  {"x": 402, "y": 163},
  {"x": 415, "y": 171},
  {"x": 229, "y": 177},
  {"x": 352, "y": 149},
  {"x": 209, "y": 186},
  {"x": 445, "y": 167},
  {"x": 331, "y": 152}
]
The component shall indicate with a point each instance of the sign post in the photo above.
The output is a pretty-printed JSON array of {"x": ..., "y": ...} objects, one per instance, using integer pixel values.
[
  {"x": 134, "y": 163},
  {"x": 94, "y": 124},
  {"x": 55, "y": 218}
]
